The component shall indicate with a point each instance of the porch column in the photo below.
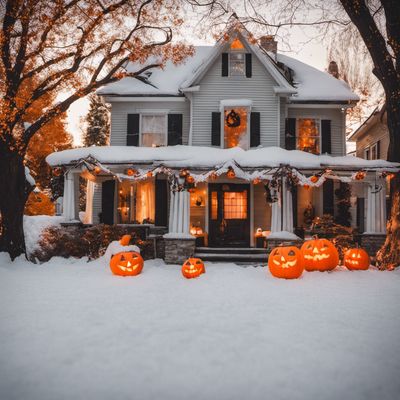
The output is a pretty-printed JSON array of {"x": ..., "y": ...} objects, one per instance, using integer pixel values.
[
  {"x": 71, "y": 196},
  {"x": 89, "y": 202},
  {"x": 376, "y": 207},
  {"x": 284, "y": 205},
  {"x": 179, "y": 213}
]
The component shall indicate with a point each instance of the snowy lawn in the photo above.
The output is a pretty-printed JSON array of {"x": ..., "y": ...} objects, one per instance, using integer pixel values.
[{"x": 71, "y": 330}]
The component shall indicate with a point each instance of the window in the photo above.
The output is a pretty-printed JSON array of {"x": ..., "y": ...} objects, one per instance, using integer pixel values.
[
  {"x": 235, "y": 205},
  {"x": 153, "y": 130},
  {"x": 366, "y": 154},
  {"x": 374, "y": 151},
  {"x": 308, "y": 135},
  {"x": 235, "y": 127},
  {"x": 237, "y": 64}
]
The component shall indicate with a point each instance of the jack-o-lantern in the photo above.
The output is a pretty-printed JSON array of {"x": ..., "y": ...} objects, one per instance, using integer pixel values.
[
  {"x": 127, "y": 263},
  {"x": 319, "y": 255},
  {"x": 125, "y": 240},
  {"x": 356, "y": 259},
  {"x": 193, "y": 268},
  {"x": 286, "y": 262}
]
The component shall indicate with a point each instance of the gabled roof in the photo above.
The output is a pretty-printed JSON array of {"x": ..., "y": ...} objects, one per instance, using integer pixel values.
[
  {"x": 375, "y": 117},
  {"x": 310, "y": 84}
]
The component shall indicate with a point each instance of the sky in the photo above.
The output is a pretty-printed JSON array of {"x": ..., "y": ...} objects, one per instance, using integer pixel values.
[{"x": 303, "y": 46}]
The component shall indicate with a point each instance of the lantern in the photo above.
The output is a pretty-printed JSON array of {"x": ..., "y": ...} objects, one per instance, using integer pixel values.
[
  {"x": 97, "y": 170},
  {"x": 286, "y": 262},
  {"x": 125, "y": 240},
  {"x": 231, "y": 173},
  {"x": 356, "y": 259},
  {"x": 127, "y": 263},
  {"x": 193, "y": 268},
  {"x": 360, "y": 175},
  {"x": 189, "y": 179},
  {"x": 131, "y": 172},
  {"x": 314, "y": 179},
  {"x": 319, "y": 255}
]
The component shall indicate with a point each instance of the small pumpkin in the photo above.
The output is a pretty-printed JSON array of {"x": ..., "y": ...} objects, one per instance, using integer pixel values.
[
  {"x": 125, "y": 240},
  {"x": 231, "y": 173},
  {"x": 131, "y": 172},
  {"x": 127, "y": 263},
  {"x": 193, "y": 268},
  {"x": 360, "y": 175},
  {"x": 319, "y": 255},
  {"x": 314, "y": 179},
  {"x": 97, "y": 170},
  {"x": 286, "y": 262},
  {"x": 356, "y": 259}
]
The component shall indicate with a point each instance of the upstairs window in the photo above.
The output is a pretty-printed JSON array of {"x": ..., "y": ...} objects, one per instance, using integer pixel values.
[
  {"x": 153, "y": 130},
  {"x": 308, "y": 136},
  {"x": 237, "y": 59}
]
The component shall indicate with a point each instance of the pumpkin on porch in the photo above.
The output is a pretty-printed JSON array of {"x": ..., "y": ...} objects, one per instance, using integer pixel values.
[
  {"x": 286, "y": 262},
  {"x": 319, "y": 255},
  {"x": 125, "y": 240},
  {"x": 193, "y": 268},
  {"x": 356, "y": 259},
  {"x": 127, "y": 263}
]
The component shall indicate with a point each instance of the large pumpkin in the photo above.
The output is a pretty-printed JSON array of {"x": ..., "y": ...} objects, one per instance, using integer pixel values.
[
  {"x": 193, "y": 267},
  {"x": 286, "y": 262},
  {"x": 356, "y": 259},
  {"x": 127, "y": 263},
  {"x": 319, "y": 255}
]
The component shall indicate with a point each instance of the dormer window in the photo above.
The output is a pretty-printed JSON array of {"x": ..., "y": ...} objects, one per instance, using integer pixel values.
[{"x": 237, "y": 59}]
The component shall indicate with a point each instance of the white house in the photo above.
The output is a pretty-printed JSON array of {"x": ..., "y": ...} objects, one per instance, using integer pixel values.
[{"x": 237, "y": 138}]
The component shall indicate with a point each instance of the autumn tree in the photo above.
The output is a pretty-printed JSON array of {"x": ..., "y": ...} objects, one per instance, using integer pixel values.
[
  {"x": 97, "y": 130},
  {"x": 71, "y": 45}
]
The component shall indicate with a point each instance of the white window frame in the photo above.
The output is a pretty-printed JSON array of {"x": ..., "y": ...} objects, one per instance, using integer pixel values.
[
  {"x": 371, "y": 148},
  {"x": 222, "y": 122},
  {"x": 318, "y": 119},
  {"x": 153, "y": 113},
  {"x": 367, "y": 150},
  {"x": 232, "y": 51}
]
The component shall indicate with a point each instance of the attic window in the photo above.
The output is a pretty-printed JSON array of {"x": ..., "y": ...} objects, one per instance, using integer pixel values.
[{"x": 237, "y": 45}]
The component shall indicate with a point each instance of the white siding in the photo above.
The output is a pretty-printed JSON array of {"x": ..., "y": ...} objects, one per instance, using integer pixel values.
[
  {"x": 120, "y": 111},
  {"x": 214, "y": 87},
  {"x": 337, "y": 124}
]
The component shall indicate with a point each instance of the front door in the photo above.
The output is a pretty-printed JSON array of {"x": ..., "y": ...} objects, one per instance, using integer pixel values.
[{"x": 229, "y": 215}]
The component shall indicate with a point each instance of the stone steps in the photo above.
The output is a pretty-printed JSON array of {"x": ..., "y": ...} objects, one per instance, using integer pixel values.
[{"x": 238, "y": 255}]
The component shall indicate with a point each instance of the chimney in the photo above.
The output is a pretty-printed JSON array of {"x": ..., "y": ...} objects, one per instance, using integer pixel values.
[
  {"x": 333, "y": 69},
  {"x": 269, "y": 44}
]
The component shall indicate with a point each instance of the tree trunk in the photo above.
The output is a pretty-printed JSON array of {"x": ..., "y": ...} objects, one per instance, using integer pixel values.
[
  {"x": 14, "y": 191},
  {"x": 388, "y": 257}
]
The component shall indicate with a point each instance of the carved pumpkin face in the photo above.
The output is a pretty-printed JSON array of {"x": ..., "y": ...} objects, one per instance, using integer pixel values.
[
  {"x": 286, "y": 262},
  {"x": 192, "y": 268},
  {"x": 356, "y": 259},
  {"x": 127, "y": 263},
  {"x": 319, "y": 255},
  {"x": 125, "y": 240}
]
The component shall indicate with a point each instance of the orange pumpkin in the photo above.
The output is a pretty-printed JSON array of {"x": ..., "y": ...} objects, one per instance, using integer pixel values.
[
  {"x": 356, "y": 259},
  {"x": 193, "y": 268},
  {"x": 127, "y": 263},
  {"x": 286, "y": 262},
  {"x": 314, "y": 179},
  {"x": 149, "y": 174},
  {"x": 125, "y": 240},
  {"x": 189, "y": 179},
  {"x": 231, "y": 173},
  {"x": 360, "y": 175},
  {"x": 97, "y": 170},
  {"x": 131, "y": 171},
  {"x": 319, "y": 255}
]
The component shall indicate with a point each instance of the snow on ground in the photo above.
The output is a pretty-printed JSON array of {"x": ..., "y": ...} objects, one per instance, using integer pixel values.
[{"x": 71, "y": 330}]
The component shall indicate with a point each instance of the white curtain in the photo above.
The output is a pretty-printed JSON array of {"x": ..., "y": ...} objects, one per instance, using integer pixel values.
[
  {"x": 285, "y": 223},
  {"x": 145, "y": 201},
  {"x": 153, "y": 130},
  {"x": 89, "y": 202}
]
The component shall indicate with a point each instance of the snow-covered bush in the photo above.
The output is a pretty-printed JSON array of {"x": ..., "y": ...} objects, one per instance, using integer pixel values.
[{"x": 90, "y": 242}]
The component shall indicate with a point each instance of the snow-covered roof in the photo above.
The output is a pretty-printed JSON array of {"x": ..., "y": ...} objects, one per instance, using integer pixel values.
[
  {"x": 315, "y": 85},
  {"x": 209, "y": 157},
  {"x": 310, "y": 83}
]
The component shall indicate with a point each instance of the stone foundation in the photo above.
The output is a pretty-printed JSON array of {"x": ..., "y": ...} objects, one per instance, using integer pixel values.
[
  {"x": 271, "y": 243},
  {"x": 177, "y": 251},
  {"x": 372, "y": 242}
]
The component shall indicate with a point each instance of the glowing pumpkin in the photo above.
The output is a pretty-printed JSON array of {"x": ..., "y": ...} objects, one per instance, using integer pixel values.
[
  {"x": 127, "y": 263},
  {"x": 286, "y": 262},
  {"x": 193, "y": 268},
  {"x": 97, "y": 170},
  {"x": 131, "y": 172},
  {"x": 314, "y": 179},
  {"x": 360, "y": 175},
  {"x": 356, "y": 259},
  {"x": 319, "y": 255},
  {"x": 125, "y": 240}
]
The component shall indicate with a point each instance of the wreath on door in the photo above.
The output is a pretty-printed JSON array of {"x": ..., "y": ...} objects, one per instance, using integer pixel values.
[{"x": 232, "y": 119}]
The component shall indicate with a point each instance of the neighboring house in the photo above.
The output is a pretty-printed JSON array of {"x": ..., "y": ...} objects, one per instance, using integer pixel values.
[{"x": 231, "y": 117}]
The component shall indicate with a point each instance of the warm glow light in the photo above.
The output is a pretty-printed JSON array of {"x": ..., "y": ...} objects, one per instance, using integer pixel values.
[
  {"x": 237, "y": 44},
  {"x": 236, "y": 135},
  {"x": 235, "y": 205},
  {"x": 308, "y": 135}
]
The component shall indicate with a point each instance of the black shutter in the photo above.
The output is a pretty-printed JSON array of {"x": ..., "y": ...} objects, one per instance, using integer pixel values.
[
  {"x": 216, "y": 129},
  {"x": 225, "y": 64},
  {"x": 326, "y": 146},
  {"x": 107, "y": 202},
  {"x": 132, "y": 131},
  {"x": 254, "y": 129},
  {"x": 161, "y": 214},
  {"x": 360, "y": 213},
  {"x": 290, "y": 134},
  {"x": 174, "y": 129},
  {"x": 378, "y": 149},
  {"x": 328, "y": 200},
  {"x": 248, "y": 65}
]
